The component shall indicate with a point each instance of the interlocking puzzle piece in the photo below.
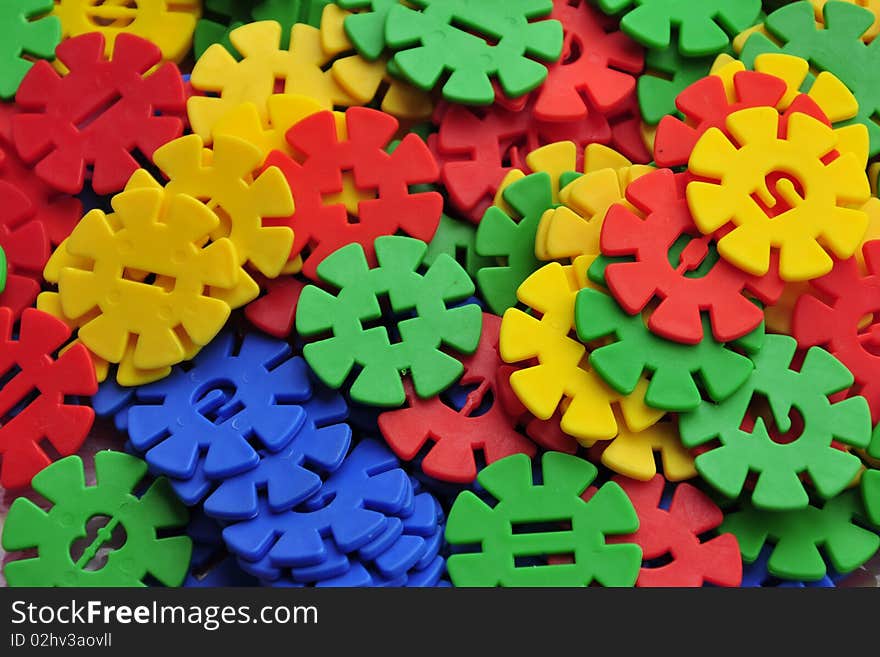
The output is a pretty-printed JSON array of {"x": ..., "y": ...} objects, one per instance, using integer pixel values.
[
  {"x": 146, "y": 234},
  {"x": 28, "y": 32},
  {"x": 679, "y": 266},
  {"x": 201, "y": 422},
  {"x": 223, "y": 178},
  {"x": 275, "y": 312},
  {"x": 349, "y": 189},
  {"x": 25, "y": 248},
  {"x": 167, "y": 23},
  {"x": 53, "y": 532},
  {"x": 416, "y": 322},
  {"x": 802, "y": 539},
  {"x": 502, "y": 532},
  {"x": 561, "y": 378},
  {"x": 673, "y": 531},
  {"x": 779, "y": 193},
  {"x": 779, "y": 460},
  {"x": 29, "y": 367},
  {"x": 703, "y": 29},
  {"x": 457, "y": 239},
  {"x": 757, "y": 574},
  {"x": 97, "y": 115},
  {"x": 673, "y": 367},
  {"x": 366, "y": 27},
  {"x": 871, "y": 5},
  {"x": 633, "y": 453},
  {"x": 832, "y": 316},
  {"x": 836, "y": 47},
  {"x": 667, "y": 74},
  {"x": 260, "y": 73},
  {"x": 457, "y": 434}
]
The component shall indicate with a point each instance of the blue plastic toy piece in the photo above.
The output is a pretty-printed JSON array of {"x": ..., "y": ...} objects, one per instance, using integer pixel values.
[
  {"x": 112, "y": 400},
  {"x": 211, "y": 565}
]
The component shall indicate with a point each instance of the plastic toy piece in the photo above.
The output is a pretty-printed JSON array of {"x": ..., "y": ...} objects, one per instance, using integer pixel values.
[
  {"x": 673, "y": 366},
  {"x": 560, "y": 376},
  {"x": 835, "y": 320},
  {"x": 503, "y": 40},
  {"x": 28, "y": 33},
  {"x": 597, "y": 60},
  {"x": 366, "y": 27},
  {"x": 502, "y": 530},
  {"x": 633, "y": 453},
  {"x": 48, "y": 415},
  {"x": 260, "y": 72},
  {"x": 703, "y": 29},
  {"x": 757, "y": 574},
  {"x": 779, "y": 460},
  {"x": 167, "y": 23},
  {"x": 677, "y": 265},
  {"x": 807, "y": 213},
  {"x": 457, "y": 239},
  {"x": 800, "y": 538},
  {"x": 211, "y": 565},
  {"x": 457, "y": 435},
  {"x": 25, "y": 248},
  {"x": 419, "y": 314},
  {"x": 348, "y": 189},
  {"x": 223, "y": 179},
  {"x": 871, "y": 5},
  {"x": 53, "y": 532},
  {"x": 66, "y": 126},
  {"x": 674, "y": 531},
  {"x": 667, "y": 74},
  {"x": 168, "y": 238}
]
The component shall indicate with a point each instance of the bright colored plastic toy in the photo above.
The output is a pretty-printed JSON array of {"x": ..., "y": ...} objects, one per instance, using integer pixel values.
[
  {"x": 457, "y": 239},
  {"x": 780, "y": 458},
  {"x": 28, "y": 32},
  {"x": 667, "y": 74},
  {"x": 502, "y": 530},
  {"x": 53, "y": 532},
  {"x": 24, "y": 238},
  {"x": 634, "y": 453}
]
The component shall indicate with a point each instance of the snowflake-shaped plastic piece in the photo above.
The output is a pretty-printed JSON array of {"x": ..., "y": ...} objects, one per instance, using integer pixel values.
[
  {"x": 804, "y": 212},
  {"x": 167, "y": 23},
  {"x": 831, "y": 316},
  {"x": 49, "y": 415},
  {"x": 502, "y": 533},
  {"x": 871, "y": 5},
  {"x": 673, "y": 529},
  {"x": 329, "y": 213},
  {"x": 256, "y": 77},
  {"x": 26, "y": 249},
  {"x": 147, "y": 234},
  {"x": 366, "y": 27},
  {"x": 673, "y": 367},
  {"x": 667, "y": 74},
  {"x": 457, "y": 434},
  {"x": 779, "y": 463},
  {"x": 704, "y": 28},
  {"x": 802, "y": 538},
  {"x": 504, "y": 39},
  {"x": 756, "y": 574},
  {"x": 457, "y": 239},
  {"x": 679, "y": 266},
  {"x": 634, "y": 453},
  {"x": 52, "y": 532},
  {"x": 275, "y": 312},
  {"x": 560, "y": 376},
  {"x": 28, "y": 33},
  {"x": 420, "y": 316},
  {"x": 98, "y": 114}
]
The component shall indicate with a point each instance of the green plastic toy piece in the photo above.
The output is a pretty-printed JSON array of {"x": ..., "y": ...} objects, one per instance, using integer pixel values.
[
  {"x": 667, "y": 74},
  {"x": 2, "y": 270},
  {"x": 53, "y": 532},
  {"x": 28, "y": 32},
  {"x": 871, "y": 481},
  {"x": 704, "y": 27},
  {"x": 364, "y": 334},
  {"x": 838, "y": 49},
  {"x": 778, "y": 466},
  {"x": 503, "y": 40},
  {"x": 506, "y": 542},
  {"x": 366, "y": 28},
  {"x": 800, "y": 537},
  {"x": 458, "y": 240},
  {"x": 512, "y": 240},
  {"x": 672, "y": 365}
]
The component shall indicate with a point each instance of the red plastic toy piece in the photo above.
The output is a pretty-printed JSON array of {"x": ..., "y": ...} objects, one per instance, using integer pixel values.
[
  {"x": 28, "y": 364},
  {"x": 275, "y": 312},
  {"x": 26, "y": 246},
  {"x": 675, "y": 533},
  {"x": 836, "y": 320},
  {"x": 458, "y": 434},
  {"x": 321, "y": 227},
  {"x": 98, "y": 114},
  {"x": 598, "y": 60},
  {"x": 698, "y": 281}
]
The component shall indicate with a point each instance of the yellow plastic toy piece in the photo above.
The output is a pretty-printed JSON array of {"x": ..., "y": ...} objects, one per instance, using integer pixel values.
[
  {"x": 113, "y": 297},
  {"x": 167, "y": 23},
  {"x": 822, "y": 202},
  {"x": 363, "y": 79},
  {"x": 631, "y": 453},
  {"x": 562, "y": 373},
  {"x": 265, "y": 69}
]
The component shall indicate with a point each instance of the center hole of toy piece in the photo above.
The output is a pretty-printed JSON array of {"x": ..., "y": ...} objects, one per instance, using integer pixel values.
[
  {"x": 761, "y": 409},
  {"x": 388, "y": 319},
  {"x": 785, "y": 192},
  {"x": 575, "y": 51},
  {"x": 218, "y": 403},
  {"x": 350, "y": 197},
  {"x": 103, "y": 536},
  {"x": 693, "y": 257},
  {"x": 470, "y": 400},
  {"x": 112, "y": 13}
]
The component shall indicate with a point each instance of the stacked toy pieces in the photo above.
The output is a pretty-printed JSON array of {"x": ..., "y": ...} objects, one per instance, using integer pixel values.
[{"x": 432, "y": 292}]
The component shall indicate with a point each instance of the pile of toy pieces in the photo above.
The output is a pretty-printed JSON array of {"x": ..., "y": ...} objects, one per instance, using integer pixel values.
[{"x": 432, "y": 292}]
